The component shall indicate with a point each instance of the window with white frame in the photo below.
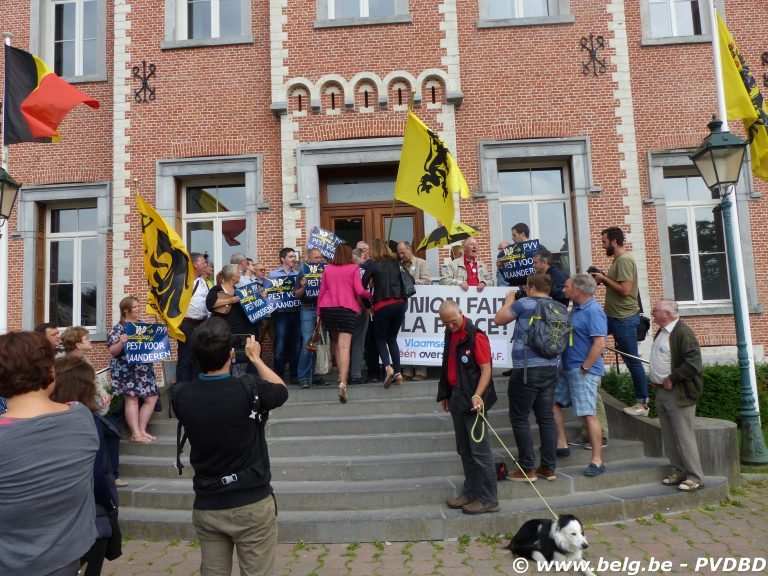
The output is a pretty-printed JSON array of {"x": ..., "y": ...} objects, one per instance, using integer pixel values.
[
  {"x": 523, "y": 12},
  {"x": 214, "y": 219},
  {"x": 361, "y": 12},
  {"x": 539, "y": 197},
  {"x": 678, "y": 18},
  {"x": 74, "y": 30},
  {"x": 696, "y": 239},
  {"x": 71, "y": 278},
  {"x": 206, "y": 22},
  {"x": 202, "y": 19},
  {"x": 70, "y": 36},
  {"x": 500, "y": 9}
]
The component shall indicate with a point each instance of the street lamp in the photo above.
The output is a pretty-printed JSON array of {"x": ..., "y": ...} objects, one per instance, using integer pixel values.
[
  {"x": 9, "y": 188},
  {"x": 719, "y": 161}
]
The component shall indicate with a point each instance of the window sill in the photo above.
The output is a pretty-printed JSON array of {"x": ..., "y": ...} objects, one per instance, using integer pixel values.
[
  {"x": 102, "y": 77},
  {"x": 714, "y": 310},
  {"x": 205, "y": 42},
  {"x": 649, "y": 41},
  {"x": 373, "y": 21},
  {"x": 537, "y": 21}
]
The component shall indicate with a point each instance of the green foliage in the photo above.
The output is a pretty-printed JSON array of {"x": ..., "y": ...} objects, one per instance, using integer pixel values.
[{"x": 721, "y": 397}]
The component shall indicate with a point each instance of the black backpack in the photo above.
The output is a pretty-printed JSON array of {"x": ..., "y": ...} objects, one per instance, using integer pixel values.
[{"x": 549, "y": 329}]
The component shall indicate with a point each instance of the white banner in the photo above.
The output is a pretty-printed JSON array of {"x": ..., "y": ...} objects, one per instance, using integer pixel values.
[{"x": 422, "y": 333}]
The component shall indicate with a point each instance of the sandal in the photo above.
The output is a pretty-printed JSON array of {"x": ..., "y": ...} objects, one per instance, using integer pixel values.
[
  {"x": 689, "y": 485},
  {"x": 390, "y": 375},
  {"x": 147, "y": 435},
  {"x": 343, "y": 393},
  {"x": 673, "y": 480},
  {"x": 139, "y": 440},
  {"x": 398, "y": 379}
]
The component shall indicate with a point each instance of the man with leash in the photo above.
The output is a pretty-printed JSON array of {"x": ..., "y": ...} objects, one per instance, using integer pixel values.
[{"x": 466, "y": 389}]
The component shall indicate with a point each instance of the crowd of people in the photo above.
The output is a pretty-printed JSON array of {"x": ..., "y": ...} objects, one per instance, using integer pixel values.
[{"x": 57, "y": 407}]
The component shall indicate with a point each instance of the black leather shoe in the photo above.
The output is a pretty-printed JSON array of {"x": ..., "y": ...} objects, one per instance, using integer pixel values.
[
  {"x": 320, "y": 382},
  {"x": 355, "y": 381}
]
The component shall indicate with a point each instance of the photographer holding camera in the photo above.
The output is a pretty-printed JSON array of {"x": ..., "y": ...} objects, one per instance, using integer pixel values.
[
  {"x": 623, "y": 310},
  {"x": 224, "y": 418}
]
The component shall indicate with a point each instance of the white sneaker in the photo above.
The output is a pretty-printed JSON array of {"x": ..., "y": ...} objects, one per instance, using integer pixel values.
[{"x": 637, "y": 410}]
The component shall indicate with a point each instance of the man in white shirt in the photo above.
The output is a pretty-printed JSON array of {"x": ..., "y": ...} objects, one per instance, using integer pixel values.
[
  {"x": 677, "y": 374},
  {"x": 187, "y": 367}
]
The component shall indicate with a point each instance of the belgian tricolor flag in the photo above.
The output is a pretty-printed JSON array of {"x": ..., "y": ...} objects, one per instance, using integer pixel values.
[{"x": 36, "y": 100}]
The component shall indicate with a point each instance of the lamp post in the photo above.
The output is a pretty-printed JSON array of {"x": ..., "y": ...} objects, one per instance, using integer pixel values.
[
  {"x": 719, "y": 161},
  {"x": 9, "y": 188}
]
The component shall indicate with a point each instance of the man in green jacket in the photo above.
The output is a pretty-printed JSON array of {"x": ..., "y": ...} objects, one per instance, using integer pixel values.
[{"x": 676, "y": 372}]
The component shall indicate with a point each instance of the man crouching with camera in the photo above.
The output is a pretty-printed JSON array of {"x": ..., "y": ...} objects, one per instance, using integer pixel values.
[{"x": 224, "y": 418}]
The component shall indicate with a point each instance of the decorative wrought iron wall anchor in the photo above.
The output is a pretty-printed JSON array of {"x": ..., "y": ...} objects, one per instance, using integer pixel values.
[
  {"x": 143, "y": 73},
  {"x": 592, "y": 45},
  {"x": 765, "y": 63}
]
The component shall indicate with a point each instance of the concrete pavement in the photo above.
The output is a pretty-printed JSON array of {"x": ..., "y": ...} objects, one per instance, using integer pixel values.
[{"x": 730, "y": 537}]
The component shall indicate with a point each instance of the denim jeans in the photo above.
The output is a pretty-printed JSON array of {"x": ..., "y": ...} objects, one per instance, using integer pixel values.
[
  {"x": 386, "y": 326},
  {"x": 288, "y": 344},
  {"x": 477, "y": 460},
  {"x": 536, "y": 394},
  {"x": 307, "y": 358},
  {"x": 624, "y": 332}
]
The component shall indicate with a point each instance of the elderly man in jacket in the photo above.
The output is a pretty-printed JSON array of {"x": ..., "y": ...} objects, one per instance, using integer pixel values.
[
  {"x": 676, "y": 372},
  {"x": 466, "y": 388},
  {"x": 467, "y": 270}
]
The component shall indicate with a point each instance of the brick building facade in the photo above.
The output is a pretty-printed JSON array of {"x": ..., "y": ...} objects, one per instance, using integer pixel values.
[{"x": 262, "y": 118}]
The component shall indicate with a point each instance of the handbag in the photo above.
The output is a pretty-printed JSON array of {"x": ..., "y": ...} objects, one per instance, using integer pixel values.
[
  {"x": 645, "y": 323},
  {"x": 323, "y": 362},
  {"x": 407, "y": 283}
]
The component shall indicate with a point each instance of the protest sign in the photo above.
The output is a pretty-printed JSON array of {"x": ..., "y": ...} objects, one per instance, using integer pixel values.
[
  {"x": 146, "y": 343},
  {"x": 280, "y": 292},
  {"x": 422, "y": 333},
  {"x": 323, "y": 240},
  {"x": 253, "y": 303},
  {"x": 517, "y": 261},
  {"x": 313, "y": 274}
]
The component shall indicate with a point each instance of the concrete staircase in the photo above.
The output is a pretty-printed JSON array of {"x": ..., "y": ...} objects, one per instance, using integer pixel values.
[{"x": 381, "y": 468}]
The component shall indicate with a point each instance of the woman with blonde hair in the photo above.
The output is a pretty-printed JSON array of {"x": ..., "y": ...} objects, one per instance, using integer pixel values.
[
  {"x": 132, "y": 381},
  {"x": 389, "y": 306},
  {"x": 338, "y": 304}
]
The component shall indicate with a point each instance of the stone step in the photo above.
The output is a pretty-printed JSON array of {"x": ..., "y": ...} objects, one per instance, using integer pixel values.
[
  {"x": 344, "y": 424},
  {"x": 312, "y": 495},
  {"x": 354, "y": 444},
  {"x": 365, "y": 467},
  {"x": 437, "y": 522}
]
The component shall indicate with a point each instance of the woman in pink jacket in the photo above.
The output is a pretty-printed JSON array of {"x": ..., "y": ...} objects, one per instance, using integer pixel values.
[{"x": 339, "y": 305}]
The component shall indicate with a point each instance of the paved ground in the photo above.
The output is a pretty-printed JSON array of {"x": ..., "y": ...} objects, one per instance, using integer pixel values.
[{"x": 731, "y": 537}]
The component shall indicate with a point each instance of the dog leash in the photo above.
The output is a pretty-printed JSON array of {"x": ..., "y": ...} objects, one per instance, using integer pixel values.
[{"x": 481, "y": 415}]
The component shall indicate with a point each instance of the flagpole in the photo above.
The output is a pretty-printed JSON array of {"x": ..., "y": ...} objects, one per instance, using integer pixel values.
[
  {"x": 738, "y": 262},
  {"x": 4, "y": 234}
]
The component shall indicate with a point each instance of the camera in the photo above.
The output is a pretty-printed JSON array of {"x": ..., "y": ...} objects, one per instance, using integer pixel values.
[
  {"x": 522, "y": 292},
  {"x": 594, "y": 270}
]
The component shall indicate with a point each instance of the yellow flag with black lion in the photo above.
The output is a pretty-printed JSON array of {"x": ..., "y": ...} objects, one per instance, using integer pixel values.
[{"x": 167, "y": 268}]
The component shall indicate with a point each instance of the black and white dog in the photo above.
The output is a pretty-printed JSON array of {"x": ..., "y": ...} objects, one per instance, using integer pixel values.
[{"x": 547, "y": 540}]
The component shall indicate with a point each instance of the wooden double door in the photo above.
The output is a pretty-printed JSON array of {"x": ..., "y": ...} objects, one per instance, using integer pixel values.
[{"x": 356, "y": 204}]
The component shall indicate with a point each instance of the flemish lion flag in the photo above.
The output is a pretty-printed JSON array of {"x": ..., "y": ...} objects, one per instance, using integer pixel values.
[
  {"x": 36, "y": 100},
  {"x": 428, "y": 176},
  {"x": 743, "y": 100},
  {"x": 168, "y": 269}
]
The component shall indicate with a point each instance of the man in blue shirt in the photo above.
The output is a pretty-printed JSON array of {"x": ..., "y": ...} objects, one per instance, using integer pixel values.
[
  {"x": 286, "y": 319},
  {"x": 582, "y": 365}
]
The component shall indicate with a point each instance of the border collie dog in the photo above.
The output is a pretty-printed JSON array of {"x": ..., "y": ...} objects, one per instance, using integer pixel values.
[{"x": 547, "y": 540}]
